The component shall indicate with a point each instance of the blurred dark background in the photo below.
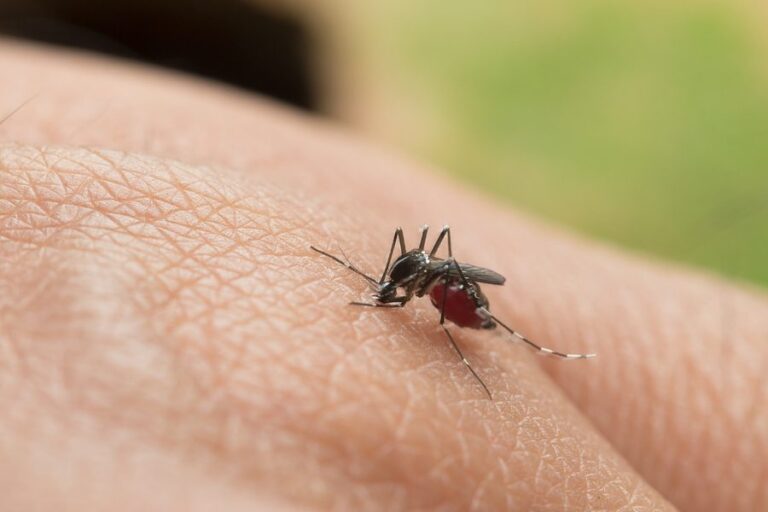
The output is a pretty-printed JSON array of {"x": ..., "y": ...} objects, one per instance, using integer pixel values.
[
  {"x": 641, "y": 123},
  {"x": 255, "y": 48}
]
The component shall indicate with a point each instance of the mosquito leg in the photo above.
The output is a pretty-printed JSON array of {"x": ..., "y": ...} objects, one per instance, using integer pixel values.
[
  {"x": 401, "y": 240},
  {"x": 445, "y": 232},
  {"x": 541, "y": 350},
  {"x": 453, "y": 342},
  {"x": 346, "y": 264},
  {"x": 394, "y": 302},
  {"x": 375, "y": 305},
  {"x": 456, "y": 265},
  {"x": 423, "y": 241},
  {"x": 398, "y": 237}
]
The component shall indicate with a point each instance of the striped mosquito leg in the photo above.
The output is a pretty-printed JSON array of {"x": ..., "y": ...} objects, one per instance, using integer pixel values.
[{"x": 538, "y": 348}]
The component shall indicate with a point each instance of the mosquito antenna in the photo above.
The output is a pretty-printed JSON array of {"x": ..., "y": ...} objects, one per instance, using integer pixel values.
[
  {"x": 347, "y": 264},
  {"x": 541, "y": 350},
  {"x": 351, "y": 266}
]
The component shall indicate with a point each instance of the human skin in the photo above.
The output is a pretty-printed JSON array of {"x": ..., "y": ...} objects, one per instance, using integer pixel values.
[{"x": 169, "y": 341}]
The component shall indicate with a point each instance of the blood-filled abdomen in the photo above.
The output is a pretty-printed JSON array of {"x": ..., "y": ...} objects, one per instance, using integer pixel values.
[{"x": 461, "y": 307}]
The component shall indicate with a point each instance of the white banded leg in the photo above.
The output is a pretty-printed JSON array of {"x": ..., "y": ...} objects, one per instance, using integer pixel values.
[{"x": 538, "y": 348}]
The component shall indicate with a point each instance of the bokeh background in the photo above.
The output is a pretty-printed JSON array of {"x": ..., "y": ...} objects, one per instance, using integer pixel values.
[{"x": 641, "y": 123}]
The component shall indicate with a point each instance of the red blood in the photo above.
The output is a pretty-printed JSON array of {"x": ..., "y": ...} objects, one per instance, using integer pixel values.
[{"x": 459, "y": 306}]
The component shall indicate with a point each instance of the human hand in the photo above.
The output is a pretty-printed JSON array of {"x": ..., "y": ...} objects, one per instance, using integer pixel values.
[{"x": 168, "y": 341}]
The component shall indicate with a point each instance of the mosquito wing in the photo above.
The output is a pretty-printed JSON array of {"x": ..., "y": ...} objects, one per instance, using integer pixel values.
[{"x": 479, "y": 274}]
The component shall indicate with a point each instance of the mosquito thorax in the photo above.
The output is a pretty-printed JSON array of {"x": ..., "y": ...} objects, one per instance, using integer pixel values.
[{"x": 408, "y": 266}]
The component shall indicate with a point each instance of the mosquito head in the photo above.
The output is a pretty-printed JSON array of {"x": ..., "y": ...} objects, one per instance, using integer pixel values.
[
  {"x": 407, "y": 268},
  {"x": 386, "y": 292}
]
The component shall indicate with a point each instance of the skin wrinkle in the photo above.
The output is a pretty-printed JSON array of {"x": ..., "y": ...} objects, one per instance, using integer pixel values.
[
  {"x": 206, "y": 382},
  {"x": 629, "y": 300}
]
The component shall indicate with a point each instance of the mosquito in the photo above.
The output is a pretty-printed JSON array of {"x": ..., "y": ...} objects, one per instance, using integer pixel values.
[{"x": 453, "y": 288}]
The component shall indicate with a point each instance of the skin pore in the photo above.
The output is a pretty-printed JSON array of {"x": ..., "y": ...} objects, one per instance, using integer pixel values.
[{"x": 169, "y": 341}]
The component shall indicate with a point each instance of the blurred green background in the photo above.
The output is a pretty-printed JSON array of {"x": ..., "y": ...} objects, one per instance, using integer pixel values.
[{"x": 641, "y": 123}]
